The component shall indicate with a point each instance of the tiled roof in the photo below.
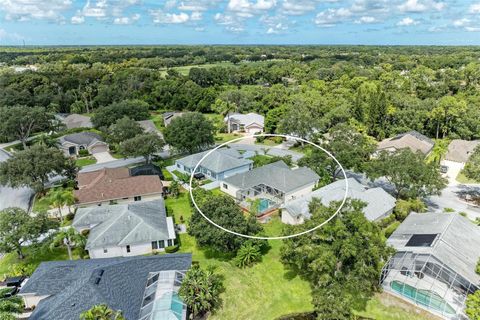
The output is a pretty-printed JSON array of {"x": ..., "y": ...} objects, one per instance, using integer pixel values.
[
  {"x": 72, "y": 286},
  {"x": 378, "y": 201},
  {"x": 119, "y": 225},
  {"x": 218, "y": 161},
  {"x": 114, "y": 183},
  {"x": 413, "y": 140},
  {"x": 461, "y": 150},
  {"x": 456, "y": 245},
  {"x": 276, "y": 175}
]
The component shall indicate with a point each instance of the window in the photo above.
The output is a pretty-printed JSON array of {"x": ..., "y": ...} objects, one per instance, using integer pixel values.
[
  {"x": 137, "y": 198},
  {"x": 105, "y": 251},
  {"x": 128, "y": 249},
  {"x": 225, "y": 186},
  {"x": 154, "y": 245},
  {"x": 161, "y": 244},
  {"x": 170, "y": 242}
]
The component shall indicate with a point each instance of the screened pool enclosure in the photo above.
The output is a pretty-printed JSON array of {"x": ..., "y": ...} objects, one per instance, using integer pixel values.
[{"x": 427, "y": 282}]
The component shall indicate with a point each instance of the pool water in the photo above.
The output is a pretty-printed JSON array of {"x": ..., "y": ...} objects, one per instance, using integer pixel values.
[
  {"x": 177, "y": 305},
  {"x": 264, "y": 205},
  {"x": 426, "y": 298}
]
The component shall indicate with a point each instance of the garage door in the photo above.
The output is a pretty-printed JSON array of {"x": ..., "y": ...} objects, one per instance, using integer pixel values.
[{"x": 98, "y": 148}]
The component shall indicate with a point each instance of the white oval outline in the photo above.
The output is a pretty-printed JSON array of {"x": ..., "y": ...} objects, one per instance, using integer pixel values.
[{"x": 269, "y": 238}]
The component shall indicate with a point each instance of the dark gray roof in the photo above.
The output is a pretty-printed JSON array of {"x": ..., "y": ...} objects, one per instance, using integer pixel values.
[
  {"x": 122, "y": 224},
  {"x": 218, "y": 161},
  {"x": 456, "y": 245},
  {"x": 72, "y": 288},
  {"x": 276, "y": 175},
  {"x": 82, "y": 138},
  {"x": 378, "y": 201}
]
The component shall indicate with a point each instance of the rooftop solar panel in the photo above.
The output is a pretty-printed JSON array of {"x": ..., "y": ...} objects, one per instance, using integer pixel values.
[{"x": 421, "y": 240}]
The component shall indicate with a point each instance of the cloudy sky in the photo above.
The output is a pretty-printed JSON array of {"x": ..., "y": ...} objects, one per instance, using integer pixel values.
[{"x": 70, "y": 22}]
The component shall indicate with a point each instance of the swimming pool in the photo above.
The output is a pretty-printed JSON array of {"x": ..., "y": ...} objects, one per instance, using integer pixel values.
[
  {"x": 425, "y": 298},
  {"x": 264, "y": 205},
  {"x": 177, "y": 306}
]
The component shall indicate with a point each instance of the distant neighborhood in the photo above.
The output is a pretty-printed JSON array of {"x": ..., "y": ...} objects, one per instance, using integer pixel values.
[{"x": 97, "y": 219}]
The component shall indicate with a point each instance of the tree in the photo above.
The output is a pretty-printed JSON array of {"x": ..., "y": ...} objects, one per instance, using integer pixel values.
[
  {"x": 18, "y": 227},
  {"x": 222, "y": 210},
  {"x": 101, "y": 312},
  {"x": 248, "y": 254},
  {"x": 20, "y": 122},
  {"x": 136, "y": 110},
  {"x": 190, "y": 133},
  {"x": 298, "y": 120},
  {"x": 59, "y": 198},
  {"x": 124, "y": 129},
  {"x": 472, "y": 167},
  {"x": 224, "y": 108},
  {"x": 32, "y": 167},
  {"x": 174, "y": 189},
  {"x": 144, "y": 145},
  {"x": 342, "y": 261},
  {"x": 472, "y": 308},
  {"x": 69, "y": 238},
  {"x": 446, "y": 113},
  {"x": 408, "y": 172},
  {"x": 200, "y": 290}
]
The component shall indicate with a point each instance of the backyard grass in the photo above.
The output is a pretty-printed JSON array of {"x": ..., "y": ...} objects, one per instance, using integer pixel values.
[
  {"x": 224, "y": 137},
  {"x": 157, "y": 119},
  {"x": 81, "y": 162},
  {"x": 33, "y": 256},
  {"x": 167, "y": 175},
  {"x": 463, "y": 179},
  {"x": 41, "y": 204}
]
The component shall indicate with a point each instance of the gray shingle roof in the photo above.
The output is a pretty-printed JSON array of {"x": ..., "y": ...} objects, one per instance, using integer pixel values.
[
  {"x": 71, "y": 285},
  {"x": 276, "y": 175},
  {"x": 218, "y": 161},
  {"x": 75, "y": 120},
  {"x": 378, "y": 201},
  {"x": 82, "y": 138},
  {"x": 457, "y": 243},
  {"x": 461, "y": 150},
  {"x": 119, "y": 225},
  {"x": 247, "y": 119}
]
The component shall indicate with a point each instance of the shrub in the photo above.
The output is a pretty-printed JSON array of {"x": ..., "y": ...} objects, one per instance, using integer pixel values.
[
  {"x": 448, "y": 210},
  {"x": 391, "y": 229},
  {"x": 69, "y": 217},
  {"x": 83, "y": 152},
  {"x": 172, "y": 249},
  {"x": 247, "y": 255},
  {"x": 386, "y": 221},
  {"x": 404, "y": 207},
  {"x": 85, "y": 232}
]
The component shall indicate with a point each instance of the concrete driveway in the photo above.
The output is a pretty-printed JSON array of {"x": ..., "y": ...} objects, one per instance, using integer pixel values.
[
  {"x": 102, "y": 157},
  {"x": 454, "y": 169}
]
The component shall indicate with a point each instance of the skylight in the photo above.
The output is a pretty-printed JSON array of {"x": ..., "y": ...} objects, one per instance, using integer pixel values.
[{"x": 421, "y": 240}]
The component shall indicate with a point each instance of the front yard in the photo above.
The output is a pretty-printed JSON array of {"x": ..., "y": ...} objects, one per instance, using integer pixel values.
[
  {"x": 82, "y": 162},
  {"x": 267, "y": 290}
]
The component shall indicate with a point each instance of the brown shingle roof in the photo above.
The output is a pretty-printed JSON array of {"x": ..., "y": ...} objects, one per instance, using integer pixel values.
[
  {"x": 114, "y": 183},
  {"x": 461, "y": 150},
  {"x": 413, "y": 140}
]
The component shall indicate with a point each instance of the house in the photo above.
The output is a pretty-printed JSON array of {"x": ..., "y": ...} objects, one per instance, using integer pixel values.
[
  {"x": 115, "y": 185},
  {"x": 71, "y": 144},
  {"x": 249, "y": 123},
  {"x": 378, "y": 203},
  {"x": 434, "y": 266},
  {"x": 412, "y": 140},
  {"x": 218, "y": 165},
  {"x": 75, "y": 120},
  {"x": 141, "y": 287},
  {"x": 273, "y": 184},
  {"x": 126, "y": 229},
  {"x": 169, "y": 116},
  {"x": 460, "y": 150},
  {"x": 149, "y": 127},
  {"x": 147, "y": 170}
]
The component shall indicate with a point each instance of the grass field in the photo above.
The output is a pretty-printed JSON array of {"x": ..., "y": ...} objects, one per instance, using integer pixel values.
[
  {"x": 463, "y": 179},
  {"x": 224, "y": 137},
  {"x": 184, "y": 70},
  {"x": 81, "y": 162},
  {"x": 267, "y": 290}
]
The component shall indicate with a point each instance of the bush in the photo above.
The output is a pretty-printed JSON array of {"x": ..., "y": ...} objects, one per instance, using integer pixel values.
[
  {"x": 404, "y": 207},
  {"x": 83, "y": 152},
  {"x": 386, "y": 221},
  {"x": 85, "y": 232},
  {"x": 172, "y": 249},
  {"x": 299, "y": 316},
  {"x": 391, "y": 229},
  {"x": 69, "y": 217}
]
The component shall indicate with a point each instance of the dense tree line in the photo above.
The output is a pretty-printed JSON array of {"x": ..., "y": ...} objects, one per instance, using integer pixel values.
[{"x": 380, "y": 90}]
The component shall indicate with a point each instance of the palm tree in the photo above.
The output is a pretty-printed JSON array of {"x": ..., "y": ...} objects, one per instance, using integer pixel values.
[
  {"x": 69, "y": 238},
  {"x": 101, "y": 312},
  {"x": 59, "y": 198},
  {"x": 224, "y": 108},
  {"x": 247, "y": 255},
  {"x": 46, "y": 140}
]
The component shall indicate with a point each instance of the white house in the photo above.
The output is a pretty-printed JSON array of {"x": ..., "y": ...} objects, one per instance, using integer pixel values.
[
  {"x": 126, "y": 229},
  {"x": 249, "y": 123},
  {"x": 71, "y": 144},
  {"x": 378, "y": 203}
]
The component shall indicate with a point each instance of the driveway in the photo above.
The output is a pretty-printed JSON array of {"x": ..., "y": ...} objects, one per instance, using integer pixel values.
[
  {"x": 451, "y": 197},
  {"x": 103, "y": 157},
  {"x": 454, "y": 169}
]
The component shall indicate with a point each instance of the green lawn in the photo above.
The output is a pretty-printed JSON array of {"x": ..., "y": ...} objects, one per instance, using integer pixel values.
[
  {"x": 224, "y": 137},
  {"x": 41, "y": 204},
  {"x": 157, "y": 119},
  {"x": 33, "y": 257},
  {"x": 81, "y": 162},
  {"x": 463, "y": 179}
]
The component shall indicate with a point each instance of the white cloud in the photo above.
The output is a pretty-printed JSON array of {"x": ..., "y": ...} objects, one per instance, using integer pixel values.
[
  {"x": 461, "y": 22},
  {"x": 247, "y": 9},
  {"x": 421, "y": 6},
  {"x": 472, "y": 29},
  {"x": 77, "y": 19},
  {"x": 365, "y": 20},
  {"x": 331, "y": 17},
  {"x": 127, "y": 20},
  {"x": 297, "y": 7},
  {"x": 406, "y": 22},
  {"x": 231, "y": 23},
  {"x": 474, "y": 8},
  {"x": 34, "y": 9},
  {"x": 196, "y": 16},
  {"x": 160, "y": 17}
]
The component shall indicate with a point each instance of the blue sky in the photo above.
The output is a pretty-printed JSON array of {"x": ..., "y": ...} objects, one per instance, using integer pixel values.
[{"x": 82, "y": 22}]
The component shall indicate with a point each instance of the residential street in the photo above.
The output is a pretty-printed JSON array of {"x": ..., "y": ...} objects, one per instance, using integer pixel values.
[{"x": 450, "y": 199}]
